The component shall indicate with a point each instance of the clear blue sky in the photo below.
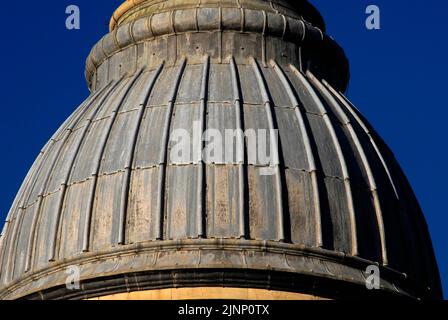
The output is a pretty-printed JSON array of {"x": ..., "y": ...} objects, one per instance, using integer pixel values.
[{"x": 398, "y": 82}]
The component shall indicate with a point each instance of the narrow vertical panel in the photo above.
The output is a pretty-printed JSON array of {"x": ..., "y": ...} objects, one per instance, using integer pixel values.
[
  {"x": 222, "y": 118},
  {"x": 53, "y": 244},
  {"x": 37, "y": 188},
  {"x": 202, "y": 174},
  {"x": 308, "y": 93},
  {"x": 301, "y": 207},
  {"x": 142, "y": 101},
  {"x": 240, "y": 150},
  {"x": 43, "y": 233},
  {"x": 310, "y": 158},
  {"x": 111, "y": 102},
  {"x": 274, "y": 151},
  {"x": 17, "y": 221},
  {"x": 263, "y": 209},
  {"x": 342, "y": 235},
  {"x": 364, "y": 164},
  {"x": 181, "y": 202},
  {"x": 163, "y": 151},
  {"x": 104, "y": 138},
  {"x": 149, "y": 141},
  {"x": 396, "y": 214},
  {"x": 80, "y": 113},
  {"x": 220, "y": 84},
  {"x": 277, "y": 89},
  {"x": 353, "y": 112},
  {"x": 291, "y": 136},
  {"x": 256, "y": 124},
  {"x": 49, "y": 185},
  {"x": 326, "y": 153},
  {"x": 250, "y": 90},
  {"x": 106, "y": 211},
  {"x": 140, "y": 91},
  {"x": 163, "y": 91},
  {"x": 369, "y": 243},
  {"x": 3, "y": 248},
  {"x": 141, "y": 217},
  {"x": 118, "y": 146},
  {"x": 190, "y": 88},
  {"x": 84, "y": 165},
  {"x": 187, "y": 120},
  {"x": 18, "y": 254},
  {"x": 73, "y": 213},
  {"x": 42, "y": 187},
  {"x": 223, "y": 202},
  {"x": 62, "y": 165}
]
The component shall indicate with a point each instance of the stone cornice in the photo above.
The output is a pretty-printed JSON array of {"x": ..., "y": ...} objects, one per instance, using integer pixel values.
[{"x": 209, "y": 255}]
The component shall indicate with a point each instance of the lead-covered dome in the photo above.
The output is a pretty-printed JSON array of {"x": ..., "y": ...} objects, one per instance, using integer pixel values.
[{"x": 105, "y": 196}]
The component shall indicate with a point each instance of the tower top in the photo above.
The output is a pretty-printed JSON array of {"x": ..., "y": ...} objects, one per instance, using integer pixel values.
[{"x": 286, "y": 30}]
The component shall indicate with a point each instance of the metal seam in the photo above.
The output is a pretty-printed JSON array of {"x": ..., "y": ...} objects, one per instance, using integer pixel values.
[
  {"x": 20, "y": 215},
  {"x": 97, "y": 162},
  {"x": 274, "y": 150},
  {"x": 149, "y": 25},
  {"x": 14, "y": 219},
  {"x": 366, "y": 130},
  {"x": 127, "y": 175},
  {"x": 32, "y": 240},
  {"x": 164, "y": 152},
  {"x": 243, "y": 19},
  {"x": 341, "y": 158},
  {"x": 201, "y": 188},
  {"x": 263, "y": 39},
  {"x": 309, "y": 154},
  {"x": 367, "y": 167},
  {"x": 64, "y": 184},
  {"x": 242, "y": 174}
]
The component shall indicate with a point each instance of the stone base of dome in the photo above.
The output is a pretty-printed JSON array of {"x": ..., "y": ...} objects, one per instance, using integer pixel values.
[{"x": 208, "y": 263}]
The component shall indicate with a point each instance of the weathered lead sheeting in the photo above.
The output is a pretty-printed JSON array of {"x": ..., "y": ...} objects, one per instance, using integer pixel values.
[
  {"x": 108, "y": 194},
  {"x": 222, "y": 200}
]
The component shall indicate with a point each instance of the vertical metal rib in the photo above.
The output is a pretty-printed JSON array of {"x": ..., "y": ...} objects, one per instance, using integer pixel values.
[
  {"x": 341, "y": 158},
  {"x": 351, "y": 108},
  {"x": 13, "y": 212},
  {"x": 365, "y": 162},
  {"x": 201, "y": 190},
  {"x": 128, "y": 166},
  {"x": 15, "y": 222},
  {"x": 308, "y": 150},
  {"x": 64, "y": 183},
  {"x": 242, "y": 176},
  {"x": 2, "y": 251},
  {"x": 27, "y": 188},
  {"x": 274, "y": 149},
  {"x": 97, "y": 162},
  {"x": 21, "y": 210},
  {"x": 32, "y": 236},
  {"x": 164, "y": 150}
]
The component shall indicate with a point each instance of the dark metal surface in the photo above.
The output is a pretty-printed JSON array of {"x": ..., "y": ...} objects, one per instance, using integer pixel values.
[{"x": 105, "y": 195}]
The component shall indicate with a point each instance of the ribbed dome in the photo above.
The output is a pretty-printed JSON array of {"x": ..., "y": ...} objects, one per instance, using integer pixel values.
[{"x": 105, "y": 195}]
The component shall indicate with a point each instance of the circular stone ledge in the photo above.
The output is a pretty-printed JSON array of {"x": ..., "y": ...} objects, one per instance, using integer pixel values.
[{"x": 193, "y": 257}]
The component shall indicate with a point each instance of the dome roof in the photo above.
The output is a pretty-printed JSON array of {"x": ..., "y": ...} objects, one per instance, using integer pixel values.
[{"x": 106, "y": 196}]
